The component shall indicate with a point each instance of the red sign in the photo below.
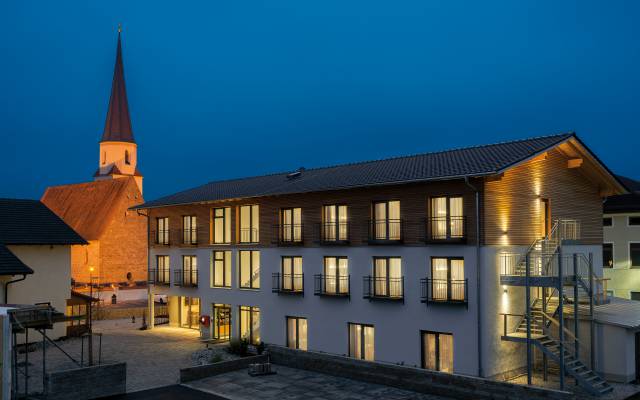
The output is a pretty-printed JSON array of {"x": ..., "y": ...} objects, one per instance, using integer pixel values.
[{"x": 205, "y": 320}]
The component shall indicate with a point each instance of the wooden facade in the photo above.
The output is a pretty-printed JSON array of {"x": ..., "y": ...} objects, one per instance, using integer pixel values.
[{"x": 511, "y": 207}]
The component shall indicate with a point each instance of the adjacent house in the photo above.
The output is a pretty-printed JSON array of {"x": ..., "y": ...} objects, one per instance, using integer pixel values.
[
  {"x": 35, "y": 256},
  {"x": 621, "y": 246},
  {"x": 99, "y": 210},
  {"x": 474, "y": 261}
]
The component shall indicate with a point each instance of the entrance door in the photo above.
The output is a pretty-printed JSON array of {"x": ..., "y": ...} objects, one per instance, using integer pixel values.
[
  {"x": 221, "y": 322},
  {"x": 190, "y": 312},
  {"x": 545, "y": 217}
]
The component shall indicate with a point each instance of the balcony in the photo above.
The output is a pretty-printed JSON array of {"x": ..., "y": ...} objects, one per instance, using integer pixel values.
[
  {"x": 385, "y": 231},
  {"x": 382, "y": 288},
  {"x": 188, "y": 237},
  {"x": 334, "y": 233},
  {"x": 185, "y": 278},
  {"x": 159, "y": 276},
  {"x": 444, "y": 291},
  {"x": 446, "y": 229},
  {"x": 332, "y": 286},
  {"x": 288, "y": 283},
  {"x": 249, "y": 235},
  {"x": 160, "y": 237},
  {"x": 288, "y": 234}
]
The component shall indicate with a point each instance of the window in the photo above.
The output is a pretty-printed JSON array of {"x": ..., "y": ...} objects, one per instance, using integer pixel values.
[
  {"x": 126, "y": 157},
  {"x": 336, "y": 275},
  {"x": 607, "y": 221},
  {"x": 297, "y": 333},
  {"x": 104, "y": 157},
  {"x": 162, "y": 235},
  {"x": 635, "y": 295},
  {"x": 447, "y": 218},
  {"x": 221, "y": 233},
  {"x": 189, "y": 271},
  {"x": 221, "y": 269},
  {"x": 634, "y": 254},
  {"x": 291, "y": 225},
  {"x": 334, "y": 226},
  {"x": 607, "y": 255},
  {"x": 292, "y": 277},
  {"x": 361, "y": 341},
  {"x": 249, "y": 271},
  {"x": 221, "y": 321},
  {"x": 189, "y": 229},
  {"x": 249, "y": 224},
  {"x": 437, "y": 351},
  {"x": 162, "y": 269},
  {"x": 447, "y": 279},
  {"x": 250, "y": 324},
  {"x": 634, "y": 221},
  {"x": 609, "y": 293},
  {"x": 386, "y": 220},
  {"x": 387, "y": 277}
]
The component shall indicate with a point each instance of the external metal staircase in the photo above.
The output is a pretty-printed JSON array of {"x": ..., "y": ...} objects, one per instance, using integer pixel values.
[{"x": 544, "y": 271}]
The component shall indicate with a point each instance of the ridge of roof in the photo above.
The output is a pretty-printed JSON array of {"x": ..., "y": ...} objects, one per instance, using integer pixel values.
[{"x": 480, "y": 160}]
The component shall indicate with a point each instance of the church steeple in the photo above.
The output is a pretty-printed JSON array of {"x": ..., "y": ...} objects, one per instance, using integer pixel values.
[
  {"x": 117, "y": 128},
  {"x": 118, "y": 149}
]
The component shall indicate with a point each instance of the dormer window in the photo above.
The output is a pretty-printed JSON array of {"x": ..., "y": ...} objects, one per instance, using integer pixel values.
[{"x": 126, "y": 157}]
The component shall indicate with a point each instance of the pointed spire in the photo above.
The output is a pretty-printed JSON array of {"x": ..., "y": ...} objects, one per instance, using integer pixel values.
[{"x": 118, "y": 125}]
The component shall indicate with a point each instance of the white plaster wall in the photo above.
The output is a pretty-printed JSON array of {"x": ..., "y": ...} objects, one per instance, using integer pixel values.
[
  {"x": 615, "y": 351},
  {"x": 50, "y": 281},
  {"x": 397, "y": 325},
  {"x": 623, "y": 278}
]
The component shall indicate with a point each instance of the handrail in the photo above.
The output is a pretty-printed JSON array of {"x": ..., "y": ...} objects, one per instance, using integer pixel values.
[{"x": 556, "y": 323}]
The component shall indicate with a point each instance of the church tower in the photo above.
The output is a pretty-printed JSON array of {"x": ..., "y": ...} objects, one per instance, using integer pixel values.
[{"x": 118, "y": 149}]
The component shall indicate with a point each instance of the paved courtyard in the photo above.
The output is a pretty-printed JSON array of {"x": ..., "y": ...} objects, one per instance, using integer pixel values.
[
  {"x": 290, "y": 384},
  {"x": 153, "y": 358}
]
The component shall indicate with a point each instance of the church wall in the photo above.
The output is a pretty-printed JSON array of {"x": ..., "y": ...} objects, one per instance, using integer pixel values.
[
  {"x": 123, "y": 245},
  {"x": 83, "y": 258}
]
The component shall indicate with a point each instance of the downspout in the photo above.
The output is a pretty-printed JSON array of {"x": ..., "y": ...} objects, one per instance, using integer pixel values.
[
  {"x": 6, "y": 287},
  {"x": 478, "y": 285}
]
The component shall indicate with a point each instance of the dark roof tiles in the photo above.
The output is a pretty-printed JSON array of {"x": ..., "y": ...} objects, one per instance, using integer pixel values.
[
  {"x": 466, "y": 162},
  {"x": 10, "y": 264},
  {"x": 31, "y": 222}
]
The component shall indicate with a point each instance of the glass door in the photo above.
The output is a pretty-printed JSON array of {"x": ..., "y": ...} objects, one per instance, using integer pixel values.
[{"x": 221, "y": 321}]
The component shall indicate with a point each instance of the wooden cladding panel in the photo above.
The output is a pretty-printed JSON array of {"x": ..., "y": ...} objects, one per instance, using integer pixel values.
[
  {"x": 414, "y": 201},
  {"x": 512, "y": 213}
]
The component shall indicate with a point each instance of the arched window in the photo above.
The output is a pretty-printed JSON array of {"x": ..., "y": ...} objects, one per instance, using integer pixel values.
[
  {"x": 104, "y": 157},
  {"x": 126, "y": 157}
]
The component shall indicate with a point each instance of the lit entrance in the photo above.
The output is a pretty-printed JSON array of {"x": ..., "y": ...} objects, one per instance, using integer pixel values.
[
  {"x": 189, "y": 312},
  {"x": 221, "y": 322}
]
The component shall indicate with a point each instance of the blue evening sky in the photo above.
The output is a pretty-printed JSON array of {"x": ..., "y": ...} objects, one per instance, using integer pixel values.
[{"x": 223, "y": 89}]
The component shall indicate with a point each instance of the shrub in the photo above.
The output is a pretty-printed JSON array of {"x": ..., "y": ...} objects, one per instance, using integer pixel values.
[
  {"x": 239, "y": 347},
  {"x": 215, "y": 358}
]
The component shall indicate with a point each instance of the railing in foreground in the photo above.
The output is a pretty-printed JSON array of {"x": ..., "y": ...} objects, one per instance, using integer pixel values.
[
  {"x": 287, "y": 283},
  {"x": 444, "y": 291},
  {"x": 326, "y": 285},
  {"x": 383, "y": 288},
  {"x": 186, "y": 278}
]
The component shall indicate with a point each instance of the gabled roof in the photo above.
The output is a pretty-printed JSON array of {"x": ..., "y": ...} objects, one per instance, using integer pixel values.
[
  {"x": 452, "y": 164},
  {"x": 87, "y": 207},
  {"x": 31, "y": 222},
  {"x": 117, "y": 128},
  {"x": 624, "y": 203},
  {"x": 631, "y": 184},
  {"x": 10, "y": 264}
]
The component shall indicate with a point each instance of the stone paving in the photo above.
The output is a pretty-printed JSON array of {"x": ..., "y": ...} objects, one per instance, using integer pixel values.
[
  {"x": 153, "y": 358},
  {"x": 621, "y": 391},
  {"x": 290, "y": 384}
]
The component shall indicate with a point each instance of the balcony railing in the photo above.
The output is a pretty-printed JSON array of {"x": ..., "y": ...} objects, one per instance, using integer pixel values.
[
  {"x": 447, "y": 229},
  {"x": 385, "y": 231},
  {"x": 334, "y": 286},
  {"x": 334, "y": 232},
  {"x": 249, "y": 235},
  {"x": 444, "y": 291},
  {"x": 159, "y": 276},
  {"x": 383, "y": 288},
  {"x": 289, "y": 234},
  {"x": 189, "y": 236},
  {"x": 287, "y": 283},
  {"x": 161, "y": 237},
  {"x": 186, "y": 278}
]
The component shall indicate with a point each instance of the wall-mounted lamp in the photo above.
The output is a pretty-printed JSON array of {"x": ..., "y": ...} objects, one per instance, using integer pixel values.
[{"x": 504, "y": 288}]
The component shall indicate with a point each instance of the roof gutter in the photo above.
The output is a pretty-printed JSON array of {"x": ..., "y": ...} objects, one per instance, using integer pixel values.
[
  {"x": 6, "y": 287},
  {"x": 478, "y": 307}
]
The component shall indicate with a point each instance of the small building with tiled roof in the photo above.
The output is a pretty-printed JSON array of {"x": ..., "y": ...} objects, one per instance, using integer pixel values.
[
  {"x": 99, "y": 210},
  {"x": 35, "y": 256}
]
